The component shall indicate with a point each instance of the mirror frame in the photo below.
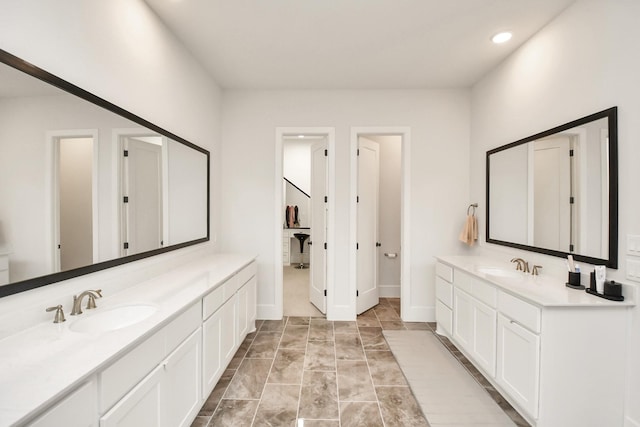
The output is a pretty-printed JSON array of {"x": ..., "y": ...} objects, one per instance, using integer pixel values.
[
  {"x": 611, "y": 115},
  {"x": 36, "y": 282}
]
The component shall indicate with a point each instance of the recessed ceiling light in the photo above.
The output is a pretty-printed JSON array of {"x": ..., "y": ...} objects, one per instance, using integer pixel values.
[{"x": 502, "y": 37}]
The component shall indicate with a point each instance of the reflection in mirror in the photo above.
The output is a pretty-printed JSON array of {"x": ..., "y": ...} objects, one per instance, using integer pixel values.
[
  {"x": 556, "y": 192},
  {"x": 86, "y": 185}
]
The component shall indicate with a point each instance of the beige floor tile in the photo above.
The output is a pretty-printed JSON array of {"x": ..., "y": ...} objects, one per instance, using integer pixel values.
[
  {"x": 278, "y": 406},
  {"x": 349, "y": 347},
  {"x": 359, "y": 414},
  {"x": 384, "y": 369},
  {"x": 321, "y": 356},
  {"x": 399, "y": 407},
  {"x": 233, "y": 413},
  {"x": 354, "y": 381},
  {"x": 287, "y": 367},
  {"x": 249, "y": 380},
  {"x": 318, "y": 397}
]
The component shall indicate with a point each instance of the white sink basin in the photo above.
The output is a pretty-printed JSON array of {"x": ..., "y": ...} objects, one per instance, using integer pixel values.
[
  {"x": 111, "y": 319},
  {"x": 500, "y": 272}
]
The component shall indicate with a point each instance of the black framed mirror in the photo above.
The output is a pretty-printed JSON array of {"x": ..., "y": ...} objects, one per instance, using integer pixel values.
[
  {"x": 86, "y": 185},
  {"x": 556, "y": 192}
]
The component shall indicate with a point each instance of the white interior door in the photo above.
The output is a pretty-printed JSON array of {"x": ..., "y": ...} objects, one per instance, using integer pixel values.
[
  {"x": 367, "y": 226},
  {"x": 552, "y": 192},
  {"x": 142, "y": 195},
  {"x": 318, "y": 239}
]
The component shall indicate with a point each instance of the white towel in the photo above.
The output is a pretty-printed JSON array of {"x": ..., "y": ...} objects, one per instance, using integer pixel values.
[{"x": 469, "y": 233}]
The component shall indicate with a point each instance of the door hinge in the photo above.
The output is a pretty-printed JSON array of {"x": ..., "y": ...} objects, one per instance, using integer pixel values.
[
  {"x": 325, "y": 292},
  {"x": 571, "y": 249},
  {"x": 357, "y": 246},
  {"x": 325, "y": 245},
  {"x": 357, "y": 293},
  {"x": 58, "y": 246},
  {"x": 326, "y": 153},
  {"x": 126, "y": 153},
  {"x": 125, "y": 199},
  {"x": 378, "y": 244},
  {"x": 325, "y": 199},
  {"x": 126, "y": 245},
  {"x": 571, "y": 200},
  {"x": 570, "y": 153},
  {"x": 357, "y": 199},
  {"x": 358, "y": 152}
]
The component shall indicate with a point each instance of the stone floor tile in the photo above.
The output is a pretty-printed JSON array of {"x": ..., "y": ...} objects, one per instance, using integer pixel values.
[
  {"x": 349, "y": 347},
  {"x": 384, "y": 369},
  {"x": 278, "y": 406},
  {"x": 321, "y": 356},
  {"x": 359, "y": 414},
  {"x": 233, "y": 413},
  {"x": 399, "y": 407},
  {"x": 249, "y": 380},
  {"x": 214, "y": 398},
  {"x": 319, "y": 396},
  {"x": 264, "y": 345},
  {"x": 287, "y": 367},
  {"x": 345, "y": 327},
  {"x": 372, "y": 338},
  {"x": 295, "y": 337},
  {"x": 354, "y": 381}
]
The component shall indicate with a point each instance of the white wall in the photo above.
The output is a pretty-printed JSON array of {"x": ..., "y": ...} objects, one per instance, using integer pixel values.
[
  {"x": 584, "y": 61},
  {"x": 120, "y": 51},
  {"x": 439, "y": 122}
]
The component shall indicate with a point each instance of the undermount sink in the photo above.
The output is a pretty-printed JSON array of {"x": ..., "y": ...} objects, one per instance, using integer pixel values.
[
  {"x": 500, "y": 272},
  {"x": 111, "y": 319}
]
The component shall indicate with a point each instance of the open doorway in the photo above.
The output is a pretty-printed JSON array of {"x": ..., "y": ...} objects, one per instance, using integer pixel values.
[
  {"x": 75, "y": 208},
  {"x": 303, "y": 220},
  {"x": 380, "y": 216}
]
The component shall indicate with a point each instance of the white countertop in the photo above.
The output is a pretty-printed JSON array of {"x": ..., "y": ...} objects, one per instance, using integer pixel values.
[
  {"x": 41, "y": 364},
  {"x": 542, "y": 290}
]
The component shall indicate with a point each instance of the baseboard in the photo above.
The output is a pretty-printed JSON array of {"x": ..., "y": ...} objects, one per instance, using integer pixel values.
[
  {"x": 419, "y": 314},
  {"x": 628, "y": 422},
  {"x": 389, "y": 291}
]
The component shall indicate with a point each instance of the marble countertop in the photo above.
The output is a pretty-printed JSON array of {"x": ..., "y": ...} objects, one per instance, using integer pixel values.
[
  {"x": 43, "y": 363},
  {"x": 542, "y": 290}
]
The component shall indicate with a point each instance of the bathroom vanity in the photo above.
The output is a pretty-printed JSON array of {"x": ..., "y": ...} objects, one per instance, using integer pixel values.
[
  {"x": 148, "y": 355},
  {"x": 558, "y": 355}
]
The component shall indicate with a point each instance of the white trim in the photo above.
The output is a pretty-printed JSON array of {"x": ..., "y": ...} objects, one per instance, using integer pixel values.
[
  {"x": 276, "y": 310},
  {"x": 628, "y": 422},
  {"x": 52, "y": 201},
  {"x": 389, "y": 291},
  {"x": 407, "y": 311}
]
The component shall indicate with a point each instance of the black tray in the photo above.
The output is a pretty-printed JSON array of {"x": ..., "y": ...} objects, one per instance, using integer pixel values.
[
  {"x": 569, "y": 285},
  {"x": 609, "y": 297}
]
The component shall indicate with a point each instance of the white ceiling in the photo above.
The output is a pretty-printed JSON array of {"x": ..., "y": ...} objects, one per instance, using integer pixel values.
[{"x": 351, "y": 44}]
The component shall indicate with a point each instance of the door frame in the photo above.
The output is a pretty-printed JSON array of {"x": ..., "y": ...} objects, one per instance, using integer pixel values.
[
  {"x": 405, "y": 250},
  {"x": 281, "y": 132},
  {"x": 116, "y": 184},
  {"x": 53, "y": 196}
]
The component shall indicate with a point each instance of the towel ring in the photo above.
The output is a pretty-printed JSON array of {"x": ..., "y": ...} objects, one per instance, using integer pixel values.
[{"x": 474, "y": 206}]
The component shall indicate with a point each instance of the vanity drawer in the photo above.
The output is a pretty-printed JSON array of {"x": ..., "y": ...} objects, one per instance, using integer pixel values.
[
  {"x": 527, "y": 315},
  {"x": 444, "y": 271},
  {"x": 212, "y": 302},
  {"x": 444, "y": 292},
  {"x": 246, "y": 273},
  {"x": 464, "y": 281},
  {"x": 179, "y": 329},
  {"x": 485, "y": 292},
  {"x": 119, "y": 378}
]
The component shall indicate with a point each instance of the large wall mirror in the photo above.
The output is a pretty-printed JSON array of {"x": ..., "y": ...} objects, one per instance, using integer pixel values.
[
  {"x": 86, "y": 185},
  {"x": 556, "y": 192}
]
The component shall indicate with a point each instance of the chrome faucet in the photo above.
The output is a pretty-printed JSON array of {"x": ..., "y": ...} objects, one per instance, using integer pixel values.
[
  {"x": 91, "y": 303},
  {"x": 522, "y": 265}
]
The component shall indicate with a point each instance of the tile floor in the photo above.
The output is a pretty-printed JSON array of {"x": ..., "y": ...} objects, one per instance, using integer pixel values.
[{"x": 328, "y": 373}]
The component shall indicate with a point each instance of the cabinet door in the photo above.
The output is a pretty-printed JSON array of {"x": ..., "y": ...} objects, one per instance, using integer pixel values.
[
  {"x": 212, "y": 365},
  {"x": 142, "y": 406},
  {"x": 484, "y": 336},
  {"x": 181, "y": 384},
  {"x": 252, "y": 303},
  {"x": 519, "y": 363},
  {"x": 79, "y": 409},
  {"x": 229, "y": 326},
  {"x": 243, "y": 312},
  {"x": 463, "y": 319}
]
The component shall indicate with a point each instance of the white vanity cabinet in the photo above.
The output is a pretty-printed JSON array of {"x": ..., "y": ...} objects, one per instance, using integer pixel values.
[
  {"x": 169, "y": 395},
  {"x": 474, "y": 319},
  {"x": 557, "y": 355},
  {"x": 78, "y": 409},
  {"x": 229, "y": 313}
]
